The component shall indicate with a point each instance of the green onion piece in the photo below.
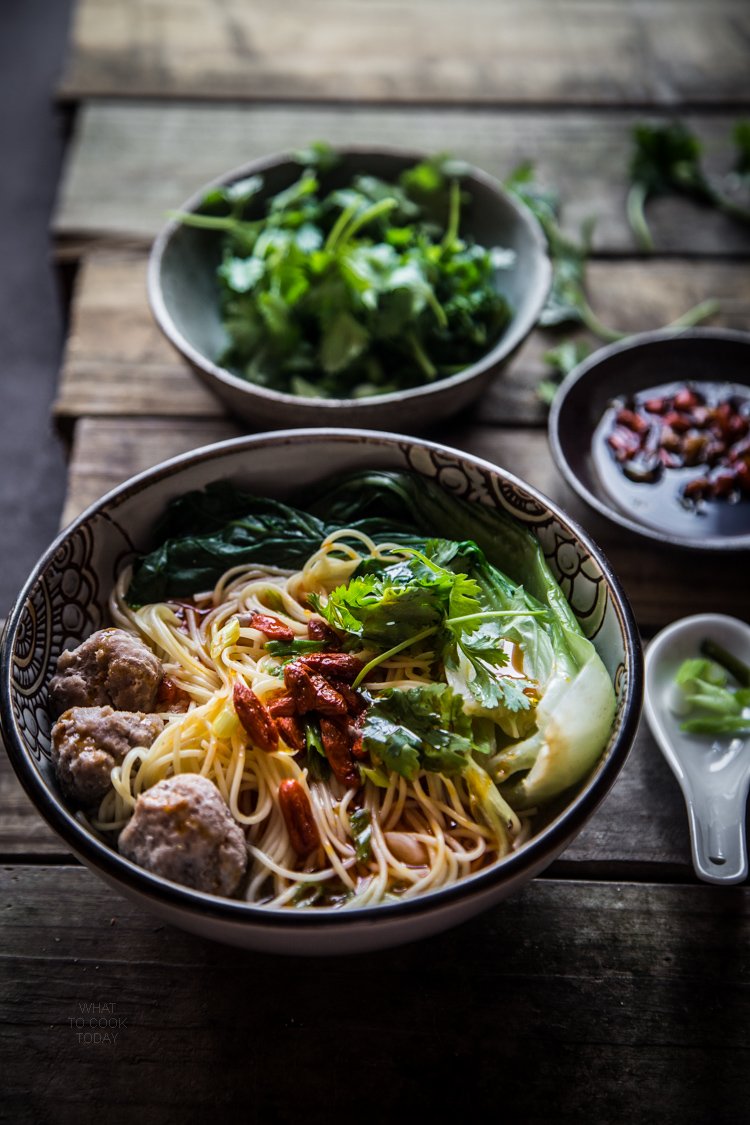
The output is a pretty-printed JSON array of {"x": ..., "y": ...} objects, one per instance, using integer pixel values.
[
  {"x": 226, "y": 722},
  {"x": 728, "y": 660}
]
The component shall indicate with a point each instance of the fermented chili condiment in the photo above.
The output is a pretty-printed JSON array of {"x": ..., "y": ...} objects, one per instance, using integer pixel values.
[
  {"x": 676, "y": 458},
  {"x": 655, "y": 432}
]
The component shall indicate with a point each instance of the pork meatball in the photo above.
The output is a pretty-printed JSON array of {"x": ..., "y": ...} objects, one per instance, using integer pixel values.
[
  {"x": 88, "y": 742},
  {"x": 182, "y": 829},
  {"x": 111, "y": 668}
]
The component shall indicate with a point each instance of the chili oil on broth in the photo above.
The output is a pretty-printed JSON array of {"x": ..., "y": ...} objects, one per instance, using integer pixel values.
[{"x": 424, "y": 834}]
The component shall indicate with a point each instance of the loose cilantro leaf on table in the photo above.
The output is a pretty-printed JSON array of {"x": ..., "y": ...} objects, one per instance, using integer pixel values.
[
  {"x": 666, "y": 160},
  {"x": 567, "y": 303}
]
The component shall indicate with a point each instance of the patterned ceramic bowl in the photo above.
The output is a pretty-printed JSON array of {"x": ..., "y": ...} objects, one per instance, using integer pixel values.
[
  {"x": 184, "y": 298},
  {"x": 65, "y": 600}
]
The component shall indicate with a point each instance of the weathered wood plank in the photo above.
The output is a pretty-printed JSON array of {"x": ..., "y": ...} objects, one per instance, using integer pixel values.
[
  {"x": 659, "y": 52},
  {"x": 106, "y": 452},
  {"x": 118, "y": 362},
  {"x": 662, "y": 585},
  {"x": 631, "y": 1001},
  {"x": 22, "y": 830},
  {"x": 130, "y": 163}
]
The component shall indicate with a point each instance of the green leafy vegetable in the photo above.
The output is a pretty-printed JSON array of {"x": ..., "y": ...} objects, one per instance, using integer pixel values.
[
  {"x": 702, "y": 685},
  {"x": 205, "y": 533},
  {"x": 567, "y": 302},
  {"x": 317, "y": 763},
  {"x": 355, "y": 292},
  {"x": 727, "y": 660},
  {"x": 417, "y": 729},
  {"x": 361, "y": 822},
  {"x": 300, "y": 646},
  {"x": 667, "y": 160}
]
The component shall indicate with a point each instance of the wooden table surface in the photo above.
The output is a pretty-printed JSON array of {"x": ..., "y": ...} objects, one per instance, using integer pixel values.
[{"x": 615, "y": 988}]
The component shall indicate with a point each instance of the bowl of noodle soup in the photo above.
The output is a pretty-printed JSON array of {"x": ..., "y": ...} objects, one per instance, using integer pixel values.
[{"x": 405, "y": 842}]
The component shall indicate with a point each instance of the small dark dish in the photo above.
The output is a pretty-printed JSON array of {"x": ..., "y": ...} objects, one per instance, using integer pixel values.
[
  {"x": 713, "y": 356},
  {"x": 184, "y": 296}
]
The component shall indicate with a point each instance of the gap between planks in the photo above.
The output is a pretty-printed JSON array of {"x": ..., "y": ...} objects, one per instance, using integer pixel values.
[
  {"x": 118, "y": 362},
  {"x": 130, "y": 163},
  {"x": 661, "y": 584},
  {"x": 610, "y": 1002}
]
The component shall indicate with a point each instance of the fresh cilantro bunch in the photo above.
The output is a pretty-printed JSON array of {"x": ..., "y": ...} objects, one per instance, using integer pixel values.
[{"x": 357, "y": 291}]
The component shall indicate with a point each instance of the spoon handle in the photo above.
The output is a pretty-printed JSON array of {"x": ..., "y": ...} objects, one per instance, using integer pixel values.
[{"x": 717, "y": 834}]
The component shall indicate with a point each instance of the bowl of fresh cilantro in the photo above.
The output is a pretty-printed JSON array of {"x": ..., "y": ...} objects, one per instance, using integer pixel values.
[{"x": 361, "y": 286}]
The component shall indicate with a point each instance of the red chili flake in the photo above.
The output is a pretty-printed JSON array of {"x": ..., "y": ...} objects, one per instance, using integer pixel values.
[
  {"x": 298, "y": 817},
  {"x": 356, "y": 704},
  {"x": 724, "y": 482},
  {"x": 282, "y": 706},
  {"x": 737, "y": 427},
  {"x": 686, "y": 399},
  {"x": 680, "y": 423},
  {"x": 668, "y": 460},
  {"x": 697, "y": 488},
  {"x": 623, "y": 443},
  {"x": 632, "y": 421},
  {"x": 355, "y": 734},
  {"x": 274, "y": 629},
  {"x": 171, "y": 697}
]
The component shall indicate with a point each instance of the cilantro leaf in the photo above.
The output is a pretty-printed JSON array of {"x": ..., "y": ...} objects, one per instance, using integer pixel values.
[
  {"x": 362, "y": 290},
  {"x": 361, "y": 822},
  {"x": 417, "y": 729}
]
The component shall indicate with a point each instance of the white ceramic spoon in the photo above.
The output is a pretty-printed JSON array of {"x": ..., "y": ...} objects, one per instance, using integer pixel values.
[{"x": 713, "y": 770}]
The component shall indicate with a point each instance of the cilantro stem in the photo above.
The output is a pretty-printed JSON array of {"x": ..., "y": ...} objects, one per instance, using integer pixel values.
[
  {"x": 490, "y": 613},
  {"x": 696, "y": 314},
  {"x": 392, "y": 652},
  {"x": 637, "y": 218},
  {"x": 207, "y": 222},
  {"x": 421, "y": 356},
  {"x": 592, "y": 322},
  {"x": 340, "y": 223},
  {"x": 437, "y": 308},
  {"x": 454, "y": 217},
  {"x": 345, "y": 233}
]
